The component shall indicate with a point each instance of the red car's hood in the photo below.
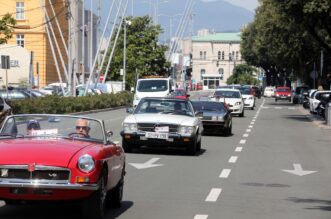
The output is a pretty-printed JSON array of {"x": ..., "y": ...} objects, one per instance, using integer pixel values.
[{"x": 57, "y": 152}]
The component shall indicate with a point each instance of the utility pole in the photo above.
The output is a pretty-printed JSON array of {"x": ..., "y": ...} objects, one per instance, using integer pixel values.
[{"x": 124, "y": 55}]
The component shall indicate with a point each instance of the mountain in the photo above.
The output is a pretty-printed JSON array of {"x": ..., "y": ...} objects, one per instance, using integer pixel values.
[{"x": 217, "y": 15}]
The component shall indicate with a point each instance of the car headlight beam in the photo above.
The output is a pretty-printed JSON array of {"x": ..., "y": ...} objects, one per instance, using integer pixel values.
[{"x": 86, "y": 163}]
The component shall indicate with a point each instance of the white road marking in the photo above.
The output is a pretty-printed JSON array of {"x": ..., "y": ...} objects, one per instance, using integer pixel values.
[
  {"x": 225, "y": 173},
  {"x": 233, "y": 159},
  {"x": 200, "y": 216},
  {"x": 242, "y": 141},
  {"x": 248, "y": 130},
  {"x": 245, "y": 135},
  {"x": 250, "y": 126},
  {"x": 277, "y": 107},
  {"x": 253, "y": 120},
  {"x": 239, "y": 149},
  {"x": 252, "y": 123},
  {"x": 213, "y": 195},
  {"x": 265, "y": 107},
  {"x": 299, "y": 171},
  {"x": 291, "y": 108},
  {"x": 147, "y": 164}
]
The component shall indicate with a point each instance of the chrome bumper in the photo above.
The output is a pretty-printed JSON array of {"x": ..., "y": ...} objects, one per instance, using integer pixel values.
[{"x": 43, "y": 185}]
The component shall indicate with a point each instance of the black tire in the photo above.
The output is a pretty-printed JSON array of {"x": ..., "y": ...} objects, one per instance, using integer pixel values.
[
  {"x": 228, "y": 131},
  {"x": 242, "y": 114},
  {"x": 191, "y": 149},
  {"x": 276, "y": 99},
  {"x": 114, "y": 197},
  {"x": 199, "y": 146},
  {"x": 12, "y": 202},
  {"x": 94, "y": 206},
  {"x": 252, "y": 108},
  {"x": 127, "y": 146}
]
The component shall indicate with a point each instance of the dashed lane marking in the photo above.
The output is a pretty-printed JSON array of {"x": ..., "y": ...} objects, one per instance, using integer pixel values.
[
  {"x": 233, "y": 159},
  {"x": 245, "y": 135},
  {"x": 239, "y": 149},
  {"x": 213, "y": 195},
  {"x": 200, "y": 216},
  {"x": 225, "y": 173},
  {"x": 242, "y": 141}
]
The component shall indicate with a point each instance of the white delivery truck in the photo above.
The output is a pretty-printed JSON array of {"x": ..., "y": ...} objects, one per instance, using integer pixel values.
[{"x": 153, "y": 87}]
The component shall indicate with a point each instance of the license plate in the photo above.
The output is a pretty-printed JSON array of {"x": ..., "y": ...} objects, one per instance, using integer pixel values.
[{"x": 156, "y": 135}]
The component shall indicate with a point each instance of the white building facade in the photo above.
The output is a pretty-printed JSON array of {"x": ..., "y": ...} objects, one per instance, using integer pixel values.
[{"x": 214, "y": 57}]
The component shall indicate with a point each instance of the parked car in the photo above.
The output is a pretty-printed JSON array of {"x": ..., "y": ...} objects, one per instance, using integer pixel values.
[
  {"x": 216, "y": 117},
  {"x": 298, "y": 94},
  {"x": 60, "y": 158},
  {"x": 162, "y": 122},
  {"x": 248, "y": 97},
  {"x": 181, "y": 93},
  {"x": 316, "y": 98},
  {"x": 232, "y": 98},
  {"x": 269, "y": 91},
  {"x": 283, "y": 93},
  {"x": 14, "y": 94}
]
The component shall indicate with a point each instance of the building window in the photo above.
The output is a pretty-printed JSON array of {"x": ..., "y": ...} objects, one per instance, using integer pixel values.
[
  {"x": 219, "y": 55},
  {"x": 221, "y": 73},
  {"x": 237, "y": 55},
  {"x": 232, "y": 55},
  {"x": 201, "y": 56},
  {"x": 20, "y": 40},
  {"x": 204, "y": 55},
  {"x": 20, "y": 11},
  {"x": 202, "y": 72},
  {"x": 223, "y": 55}
]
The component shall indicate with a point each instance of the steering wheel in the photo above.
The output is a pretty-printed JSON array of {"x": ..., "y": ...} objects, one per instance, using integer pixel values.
[{"x": 79, "y": 135}]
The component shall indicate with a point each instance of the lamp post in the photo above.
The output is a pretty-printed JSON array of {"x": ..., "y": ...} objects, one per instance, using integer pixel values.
[{"x": 125, "y": 23}]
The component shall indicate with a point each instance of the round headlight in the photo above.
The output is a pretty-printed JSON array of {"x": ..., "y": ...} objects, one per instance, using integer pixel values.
[{"x": 86, "y": 163}]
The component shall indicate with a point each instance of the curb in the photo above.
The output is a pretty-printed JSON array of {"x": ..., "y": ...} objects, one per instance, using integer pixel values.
[
  {"x": 315, "y": 119},
  {"x": 99, "y": 110}
]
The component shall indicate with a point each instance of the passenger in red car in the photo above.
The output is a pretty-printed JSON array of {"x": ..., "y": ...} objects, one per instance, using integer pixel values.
[{"x": 83, "y": 128}]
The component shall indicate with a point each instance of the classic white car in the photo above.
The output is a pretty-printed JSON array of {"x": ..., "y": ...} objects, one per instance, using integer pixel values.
[
  {"x": 164, "y": 122},
  {"x": 232, "y": 98}
]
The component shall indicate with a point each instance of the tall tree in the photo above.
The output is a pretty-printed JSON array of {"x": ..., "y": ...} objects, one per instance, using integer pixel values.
[
  {"x": 243, "y": 74},
  {"x": 6, "y": 28},
  {"x": 144, "y": 55}
]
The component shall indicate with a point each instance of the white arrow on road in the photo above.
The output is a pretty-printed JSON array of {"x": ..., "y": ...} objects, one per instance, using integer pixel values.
[
  {"x": 299, "y": 171},
  {"x": 147, "y": 164}
]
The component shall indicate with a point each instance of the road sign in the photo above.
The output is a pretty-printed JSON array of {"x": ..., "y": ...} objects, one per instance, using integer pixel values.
[{"x": 5, "y": 62}]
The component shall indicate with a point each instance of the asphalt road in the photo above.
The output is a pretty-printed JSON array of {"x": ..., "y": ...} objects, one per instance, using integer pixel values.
[{"x": 246, "y": 175}]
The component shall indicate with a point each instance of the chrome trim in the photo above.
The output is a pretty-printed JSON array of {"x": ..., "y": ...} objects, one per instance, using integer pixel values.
[
  {"x": 43, "y": 185},
  {"x": 37, "y": 167}
]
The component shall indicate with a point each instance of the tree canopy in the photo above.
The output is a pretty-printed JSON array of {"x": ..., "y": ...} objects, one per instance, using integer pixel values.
[
  {"x": 6, "y": 30},
  {"x": 287, "y": 36},
  {"x": 144, "y": 56},
  {"x": 243, "y": 74}
]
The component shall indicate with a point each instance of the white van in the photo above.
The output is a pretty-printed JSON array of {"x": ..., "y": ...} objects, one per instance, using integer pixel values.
[{"x": 153, "y": 87}]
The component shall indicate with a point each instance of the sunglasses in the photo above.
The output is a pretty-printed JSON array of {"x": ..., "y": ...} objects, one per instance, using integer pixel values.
[{"x": 85, "y": 128}]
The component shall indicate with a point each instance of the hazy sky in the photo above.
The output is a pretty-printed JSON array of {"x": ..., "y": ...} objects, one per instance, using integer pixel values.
[{"x": 248, "y": 4}]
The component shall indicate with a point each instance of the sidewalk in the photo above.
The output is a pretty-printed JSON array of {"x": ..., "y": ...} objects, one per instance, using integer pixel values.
[{"x": 317, "y": 120}]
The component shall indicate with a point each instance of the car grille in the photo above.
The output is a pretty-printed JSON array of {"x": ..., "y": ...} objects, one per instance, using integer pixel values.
[
  {"x": 150, "y": 127},
  {"x": 44, "y": 173}
]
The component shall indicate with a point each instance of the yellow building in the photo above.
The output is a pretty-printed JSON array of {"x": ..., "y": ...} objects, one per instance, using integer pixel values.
[{"x": 31, "y": 33}]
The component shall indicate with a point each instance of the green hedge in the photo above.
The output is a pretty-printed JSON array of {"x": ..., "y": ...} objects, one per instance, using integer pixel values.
[{"x": 54, "y": 104}]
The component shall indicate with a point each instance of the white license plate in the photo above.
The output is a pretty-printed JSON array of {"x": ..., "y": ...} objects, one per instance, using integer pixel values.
[{"x": 157, "y": 135}]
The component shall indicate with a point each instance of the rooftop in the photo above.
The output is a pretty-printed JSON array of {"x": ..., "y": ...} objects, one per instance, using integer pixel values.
[{"x": 218, "y": 37}]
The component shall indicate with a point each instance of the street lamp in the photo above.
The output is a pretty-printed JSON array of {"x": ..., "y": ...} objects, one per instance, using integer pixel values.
[{"x": 126, "y": 22}]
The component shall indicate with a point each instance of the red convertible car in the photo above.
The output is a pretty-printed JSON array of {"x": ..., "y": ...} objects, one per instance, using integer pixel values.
[{"x": 60, "y": 157}]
